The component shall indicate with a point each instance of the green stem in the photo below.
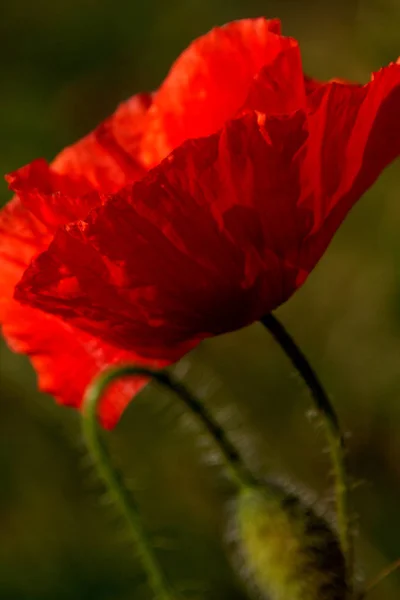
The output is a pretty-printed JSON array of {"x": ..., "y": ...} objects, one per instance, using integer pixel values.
[
  {"x": 333, "y": 432},
  {"x": 115, "y": 485},
  {"x": 239, "y": 473}
]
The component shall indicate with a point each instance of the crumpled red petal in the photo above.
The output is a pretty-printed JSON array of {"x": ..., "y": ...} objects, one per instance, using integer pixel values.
[
  {"x": 354, "y": 135},
  {"x": 225, "y": 229},
  {"x": 279, "y": 87},
  {"x": 206, "y": 243},
  {"x": 66, "y": 359},
  {"x": 52, "y": 198},
  {"x": 209, "y": 83}
]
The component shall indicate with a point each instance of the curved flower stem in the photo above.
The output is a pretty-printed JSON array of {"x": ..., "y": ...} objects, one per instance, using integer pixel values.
[
  {"x": 116, "y": 488},
  {"x": 239, "y": 473},
  {"x": 333, "y": 432}
]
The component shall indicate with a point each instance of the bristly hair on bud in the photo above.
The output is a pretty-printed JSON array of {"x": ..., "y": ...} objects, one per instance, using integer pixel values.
[{"x": 287, "y": 551}]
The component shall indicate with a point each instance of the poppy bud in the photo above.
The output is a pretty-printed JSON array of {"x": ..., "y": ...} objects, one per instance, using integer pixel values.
[{"x": 287, "y": 550}]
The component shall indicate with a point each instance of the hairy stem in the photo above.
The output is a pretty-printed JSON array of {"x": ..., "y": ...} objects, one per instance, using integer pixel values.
[
  {"x": 333, "y": 432},
  {"x": 115, "y": 485},
  {"x": 239, "y": 473}
]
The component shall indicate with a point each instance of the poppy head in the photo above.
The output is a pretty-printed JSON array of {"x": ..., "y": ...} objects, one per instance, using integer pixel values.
[{"x": 188, "y": 213}]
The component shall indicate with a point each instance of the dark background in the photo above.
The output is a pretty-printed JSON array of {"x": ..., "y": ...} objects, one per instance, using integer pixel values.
[{"x": 65, "y": 65}]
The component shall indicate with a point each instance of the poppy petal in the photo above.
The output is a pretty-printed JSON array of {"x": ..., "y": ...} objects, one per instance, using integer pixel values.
[
  {"x": 279, "y": 87},
  {"x": 22, "y": 236},
  {"x": 202, "y": 245},
  {"x": 66, "y": 359},
  {"x": 354, "y": 135},
  {"x": 52, "y": 198},
  {"x": 209, "y": 83}
]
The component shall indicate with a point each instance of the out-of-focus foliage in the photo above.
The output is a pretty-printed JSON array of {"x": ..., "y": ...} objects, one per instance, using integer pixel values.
[{"x": 65, "y": 65}]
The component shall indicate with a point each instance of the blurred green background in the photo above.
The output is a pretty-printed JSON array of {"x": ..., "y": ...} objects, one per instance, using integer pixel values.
[{"x": 65, "y": 65}]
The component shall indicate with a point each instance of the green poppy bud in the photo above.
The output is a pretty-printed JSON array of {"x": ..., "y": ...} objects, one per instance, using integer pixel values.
[{"x": 289, "y": 552}]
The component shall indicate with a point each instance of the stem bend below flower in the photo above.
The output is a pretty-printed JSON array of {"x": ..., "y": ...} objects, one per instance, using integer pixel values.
[{"x": 116, "y": 487}]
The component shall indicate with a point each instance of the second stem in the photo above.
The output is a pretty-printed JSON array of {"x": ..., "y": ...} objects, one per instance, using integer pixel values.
[{"x": 333, "y": 432}]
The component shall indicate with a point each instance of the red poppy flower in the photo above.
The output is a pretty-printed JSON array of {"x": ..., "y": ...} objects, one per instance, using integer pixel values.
[{"x": 188, "y": 213}]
